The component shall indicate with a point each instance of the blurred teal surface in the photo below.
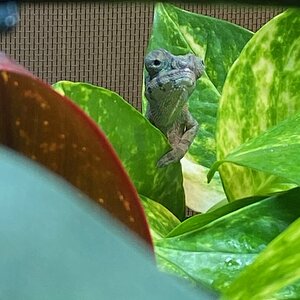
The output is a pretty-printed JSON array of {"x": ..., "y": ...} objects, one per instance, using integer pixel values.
[{"x": 54, "y": 244}]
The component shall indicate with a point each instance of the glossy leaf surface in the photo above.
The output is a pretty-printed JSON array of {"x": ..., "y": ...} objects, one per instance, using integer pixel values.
[
  {"x": 139, "y": 145},
  {"x": 275, "y": 274},
  {"x": 275, "y": 152},
  {"x": 216, "y": 252},
  {"x": 261, "y": 90},
  {"x": 161, "y": 221},
  {"x": 219, "y": 44},
  {"x": 197, "y": 221}
]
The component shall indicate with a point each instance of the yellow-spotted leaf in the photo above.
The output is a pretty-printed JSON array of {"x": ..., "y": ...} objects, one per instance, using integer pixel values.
[
  {"x": 261, "y": 90},
  {"x": 138, "y": 144},
  {"x": 275, "y": 152},
  {"x": 161, "y": 221},
  {"x": 218, "y": 43},
  {"x": 214, "y": 248}
]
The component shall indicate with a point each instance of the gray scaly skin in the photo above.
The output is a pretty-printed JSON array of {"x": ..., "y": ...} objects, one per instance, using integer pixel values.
[{"x": 168, "y": 85}]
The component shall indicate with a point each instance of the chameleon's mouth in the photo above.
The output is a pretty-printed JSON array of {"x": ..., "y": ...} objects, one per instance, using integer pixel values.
[{"x": 175, "y": 78}]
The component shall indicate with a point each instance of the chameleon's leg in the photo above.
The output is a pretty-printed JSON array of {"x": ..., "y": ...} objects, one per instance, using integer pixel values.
[{"x": 181, "y": 146}]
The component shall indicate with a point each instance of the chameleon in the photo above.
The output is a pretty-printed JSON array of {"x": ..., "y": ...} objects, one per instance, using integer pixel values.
[{"x": 169, "y": 82}]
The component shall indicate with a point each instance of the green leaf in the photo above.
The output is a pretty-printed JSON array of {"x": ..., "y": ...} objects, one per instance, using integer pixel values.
[
  {"x": 276, "y": 151},
  {"x": 161, "y": 221},
  {"x": 138, "y": 144},
  {"x": 200, "y": 195},
  {"x": 274, "y": 269},
  {"x": 218, "y": 205},
  {"x": 261, "y": 90},
  {"x": 200, "y": 220},
  {"x": 215, "y": 253},
  {"x": 219, "y": 43},
  {"x": 168, "y": 267}
]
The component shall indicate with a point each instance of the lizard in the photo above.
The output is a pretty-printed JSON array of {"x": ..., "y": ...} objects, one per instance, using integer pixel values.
[{"x": 169, "y": 82}]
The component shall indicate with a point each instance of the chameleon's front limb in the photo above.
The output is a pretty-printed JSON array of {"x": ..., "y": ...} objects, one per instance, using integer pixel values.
[{"x": 180, "y": 145}]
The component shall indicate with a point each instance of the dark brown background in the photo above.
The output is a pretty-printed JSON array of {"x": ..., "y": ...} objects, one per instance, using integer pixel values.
[{"x": 101, "y": 43}]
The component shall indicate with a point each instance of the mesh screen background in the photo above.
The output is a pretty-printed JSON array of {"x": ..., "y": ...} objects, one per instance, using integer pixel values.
[{"x": 101, "y": 43}]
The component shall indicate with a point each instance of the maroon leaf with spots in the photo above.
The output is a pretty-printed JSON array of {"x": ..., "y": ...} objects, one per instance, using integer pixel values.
[{"x": 50, "y": 129}]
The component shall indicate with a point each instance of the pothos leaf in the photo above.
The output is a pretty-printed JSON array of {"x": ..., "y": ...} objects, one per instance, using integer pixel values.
[
  {"x": 200, "y": 220},
  {"x": 275, "y": 152},
  {"x": 216, "y": 252},
  {"x": 200, "y": 195},
  {"x": 138, "y": 144},
  {"x": 219, "y": 43},
  {"x": 261, "y": 90},
  {"x": 161, "y": 221},
  {"x": 275, "y": 269}
]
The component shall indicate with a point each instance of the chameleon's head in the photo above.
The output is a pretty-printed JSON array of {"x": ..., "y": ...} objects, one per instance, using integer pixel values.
[{"x": 170, "y": 74}]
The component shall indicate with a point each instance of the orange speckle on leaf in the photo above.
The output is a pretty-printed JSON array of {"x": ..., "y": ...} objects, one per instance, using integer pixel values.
[
  {"x": 61, "y": 146},
  {"x": 101, "y": 200},
  {"x": 44, "y": 147},
  {"x": 22, "y": 133},
  {"x": 131, "y": 219},
  {"x": 44, "y": 105},
  {"x": 126, "y": 205},
  {"x": 16, "y": 83},
  {"x": 46, "y": 123},
  {"x": 37, "y": 97},
  {"x": 53, "y": 147},
  {"x": 4, "y": 76},
  {"x": 121, "y": 197}
]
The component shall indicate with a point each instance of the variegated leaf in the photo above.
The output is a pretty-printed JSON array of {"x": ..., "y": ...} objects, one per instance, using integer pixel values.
[
  {"x": 161, "y": 221},
  {"x": 219, "y": 43},
  {"x": 261, "y": 90},
  {"x": 275, "y": 152},
  {"x": 275, "y": 274},
  {"x": 214, "y": 248},
  {"x": 138, "y": 144}
]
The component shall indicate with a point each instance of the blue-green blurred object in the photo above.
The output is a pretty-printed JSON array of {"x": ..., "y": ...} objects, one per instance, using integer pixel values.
[
  {"x": 56, "y": 244},
  {"x": 9, "y": 15}
]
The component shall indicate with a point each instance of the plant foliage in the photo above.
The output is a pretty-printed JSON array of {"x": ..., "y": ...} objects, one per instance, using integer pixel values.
[{"x": 248, "y": 107}]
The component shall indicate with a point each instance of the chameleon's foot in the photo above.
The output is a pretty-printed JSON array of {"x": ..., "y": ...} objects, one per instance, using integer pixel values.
[{"x": 169, "y": 158}]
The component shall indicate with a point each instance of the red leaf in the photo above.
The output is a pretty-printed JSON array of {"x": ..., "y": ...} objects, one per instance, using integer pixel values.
[{"x": 52, "y": 130}]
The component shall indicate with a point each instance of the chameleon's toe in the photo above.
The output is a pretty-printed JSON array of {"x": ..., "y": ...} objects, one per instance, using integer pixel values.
[
  {"x": 167, "y": 159},
  {"x": 163, "y": 162}
]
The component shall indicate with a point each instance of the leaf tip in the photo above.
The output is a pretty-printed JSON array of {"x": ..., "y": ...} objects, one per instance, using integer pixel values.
[
  {"x": 213, "y": 170},
  {"x": 210, "y": 175}
]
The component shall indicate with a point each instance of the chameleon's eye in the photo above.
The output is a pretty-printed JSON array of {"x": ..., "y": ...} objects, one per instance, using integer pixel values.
[{"x": 156, "y": 62}]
